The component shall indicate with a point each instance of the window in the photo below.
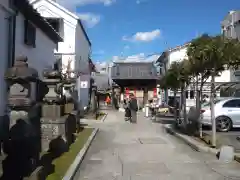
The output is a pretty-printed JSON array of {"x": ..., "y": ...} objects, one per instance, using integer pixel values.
[
  {"x": 232, "y": 103},
  {"x": 29, "y": 34},
  {"x": 192, "y": 94},
  {"x": 130, "y": 71},
  {"x": 186, "y": 94}
]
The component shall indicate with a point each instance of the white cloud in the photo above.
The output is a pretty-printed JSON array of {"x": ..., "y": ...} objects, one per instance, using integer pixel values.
[
  {"x": 144, "y": 36},
  {"x": 141, "y": 57},
  {"x": 140, "y": 1},
  {"x": 73, "y": 3},
  {"x": 126, "y": 47},
  {"x": 90, "y": 19}
]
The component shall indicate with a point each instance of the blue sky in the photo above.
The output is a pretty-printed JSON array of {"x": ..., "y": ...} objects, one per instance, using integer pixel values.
[{"x": 130, "y": 27}]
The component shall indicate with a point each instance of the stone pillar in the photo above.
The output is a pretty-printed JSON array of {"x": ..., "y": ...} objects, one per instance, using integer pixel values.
[
  {"x": 69, "y": 105},
  {"x": 121, "y": 99},
  {"x": 145, "y": 96}
]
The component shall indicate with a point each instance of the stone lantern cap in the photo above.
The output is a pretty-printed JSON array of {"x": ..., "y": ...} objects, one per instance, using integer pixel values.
[
  {"x": 20, "y": 70},
  {"x": 52, "y": 74}
]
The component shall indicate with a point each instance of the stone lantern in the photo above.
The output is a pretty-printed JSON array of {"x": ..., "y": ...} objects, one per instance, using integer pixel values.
[
  {"x": 24, "y": 95},
  {"x": 53, "y": 120},
  {"x": 22, "y": 84}
]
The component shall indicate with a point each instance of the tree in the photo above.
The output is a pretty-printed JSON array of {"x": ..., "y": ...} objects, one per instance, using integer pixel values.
[
  {"x": 177, "y": 78},
  {"x": 197, "y": 63},
  {"x": 209, "y": 56}
]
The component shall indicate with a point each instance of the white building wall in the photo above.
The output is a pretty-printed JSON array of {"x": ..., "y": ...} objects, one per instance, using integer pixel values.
[
  {"x": 181, "y": 54},
  {"x": 67, "y": 47},
  {"x": 74, "y": 48},
  {"x": 40, "y": 57},
  {"x": 3, "y": 53},
  {"x": 82, "y": 49}
]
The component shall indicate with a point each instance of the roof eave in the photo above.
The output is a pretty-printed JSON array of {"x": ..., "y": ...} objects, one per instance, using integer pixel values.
[
  {"x": 31, "y": 14},
  {"x": 84, "y": 32}
]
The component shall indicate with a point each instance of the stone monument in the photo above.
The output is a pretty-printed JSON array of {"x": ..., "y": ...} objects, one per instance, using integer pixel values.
[
  {"x": 24, "y": 95},
  {"x": 53, "y": 121}
]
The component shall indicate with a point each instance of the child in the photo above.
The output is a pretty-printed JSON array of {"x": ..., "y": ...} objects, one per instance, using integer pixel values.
[
  {"x": 108, "y": 100},
  {"x": 127, "y": 110}
]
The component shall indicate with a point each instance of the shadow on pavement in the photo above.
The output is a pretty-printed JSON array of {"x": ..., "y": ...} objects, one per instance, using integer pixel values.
[{"x": 164, "y": 120}]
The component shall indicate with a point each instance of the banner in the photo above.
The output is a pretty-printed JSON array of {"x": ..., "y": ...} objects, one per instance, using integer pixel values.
[
  {"x": 127, "y": 92},
  {"x": 154, "y": 92}
]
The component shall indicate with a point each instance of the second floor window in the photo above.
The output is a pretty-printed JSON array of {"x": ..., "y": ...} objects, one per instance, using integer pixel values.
[
  {"x": 117, "y": 70},
  {"x": 29, "y": 34}
]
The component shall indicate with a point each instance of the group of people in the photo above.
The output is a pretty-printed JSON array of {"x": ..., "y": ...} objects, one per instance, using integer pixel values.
[{"x": 131, "y": 107}]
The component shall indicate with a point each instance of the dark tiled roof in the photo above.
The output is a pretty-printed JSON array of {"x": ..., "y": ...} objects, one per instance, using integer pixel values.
[
  {"x": 92, "y": 65},
  {"x": 32, "y": 15},
  {"x": 101, "y": 81}
]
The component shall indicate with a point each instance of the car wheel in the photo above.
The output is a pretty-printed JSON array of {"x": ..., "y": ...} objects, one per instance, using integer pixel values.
[{"x": 223, "y": 123}]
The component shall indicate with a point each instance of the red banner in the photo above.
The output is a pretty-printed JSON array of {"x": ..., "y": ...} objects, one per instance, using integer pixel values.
[
  {"x": 154, "y": 92},
  {"x": 127, "y": 91}
]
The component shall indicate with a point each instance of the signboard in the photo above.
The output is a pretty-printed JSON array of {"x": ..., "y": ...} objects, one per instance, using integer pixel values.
[{"x": 84, "y": 84}]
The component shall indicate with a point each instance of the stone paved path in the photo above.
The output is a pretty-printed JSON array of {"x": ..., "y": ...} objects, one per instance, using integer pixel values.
[{"x": 143, "y": 151}]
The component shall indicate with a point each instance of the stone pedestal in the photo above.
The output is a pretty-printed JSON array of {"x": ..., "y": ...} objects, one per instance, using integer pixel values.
[
  {"x": 53, "y": 136},
  {"x": 52, "y": 110},
  {"x": 68, "y": 108}
]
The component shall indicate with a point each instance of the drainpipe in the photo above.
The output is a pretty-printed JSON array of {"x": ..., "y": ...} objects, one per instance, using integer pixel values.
[
  {"x": 11, "y": 19},
  {"x": 11, "y": 42},
  {"x": 11, "y": 33}
]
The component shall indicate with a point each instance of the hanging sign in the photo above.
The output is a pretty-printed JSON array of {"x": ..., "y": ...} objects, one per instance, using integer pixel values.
[{"x": 84, "y": 84}]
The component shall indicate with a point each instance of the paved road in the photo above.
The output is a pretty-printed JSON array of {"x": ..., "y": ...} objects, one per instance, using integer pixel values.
[{"x": 143, "y": 151}]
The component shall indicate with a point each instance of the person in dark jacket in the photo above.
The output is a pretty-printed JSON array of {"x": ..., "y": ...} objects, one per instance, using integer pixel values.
[
  {"x": 133, "y": 106},
  {"x": 127, "y": 110}
]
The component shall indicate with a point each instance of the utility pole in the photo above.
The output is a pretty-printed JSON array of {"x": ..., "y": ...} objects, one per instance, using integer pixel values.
[{"x": 212, "y": 106}]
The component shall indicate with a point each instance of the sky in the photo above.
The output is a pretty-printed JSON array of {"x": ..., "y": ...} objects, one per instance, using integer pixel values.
[{"x": 138, "y": 28}]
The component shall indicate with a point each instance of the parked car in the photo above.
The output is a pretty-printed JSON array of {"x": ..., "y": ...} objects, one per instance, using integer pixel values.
[
  {"x": 227, "y": 114},
  {"x": 191, "y": 111}
]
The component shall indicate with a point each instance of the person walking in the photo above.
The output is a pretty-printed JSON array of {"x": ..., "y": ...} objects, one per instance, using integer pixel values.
[
  {"x": 133, "y": 106},
  {"x": 127, "y": 110},
  {"x": 108, "y": 100}
]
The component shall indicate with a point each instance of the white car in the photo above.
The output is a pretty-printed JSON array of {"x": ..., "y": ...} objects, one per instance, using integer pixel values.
[{"x": 227, "y": 114}]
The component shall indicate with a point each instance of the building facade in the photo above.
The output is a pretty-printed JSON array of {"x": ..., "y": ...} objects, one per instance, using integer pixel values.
[
  {"x": 73, "y": 53},
  {"x": 179, "y": 53},
  {"x": 139, "y": 78},
  {"x": 23, "y": 32},
  {"x": 230, "y": 27}
]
